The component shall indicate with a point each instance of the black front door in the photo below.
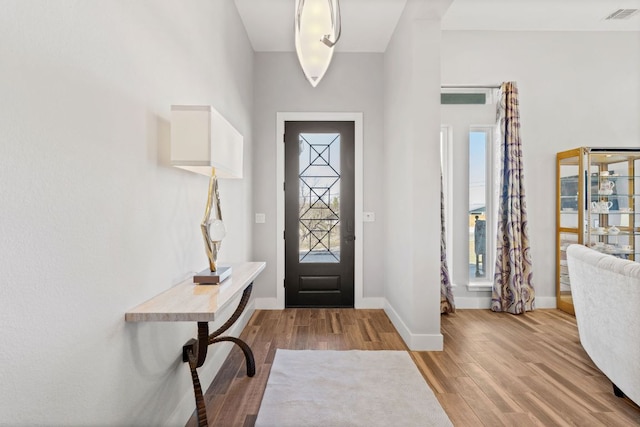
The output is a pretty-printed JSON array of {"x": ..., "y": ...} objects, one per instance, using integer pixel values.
[{"x": 319, "y": 214}]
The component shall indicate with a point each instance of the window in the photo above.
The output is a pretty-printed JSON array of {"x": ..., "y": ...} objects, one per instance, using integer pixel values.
[
  {"x": 480, "y": 204},
  {"x": 468, "y": 164},
  {"x": 463, "y": 98},
  {"x": 467, "y": 96}
]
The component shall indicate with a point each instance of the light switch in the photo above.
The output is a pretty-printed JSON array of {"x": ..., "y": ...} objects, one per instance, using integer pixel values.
[
  {"x": 260, "y": 218},
  {"x": 368, "y": 216}
]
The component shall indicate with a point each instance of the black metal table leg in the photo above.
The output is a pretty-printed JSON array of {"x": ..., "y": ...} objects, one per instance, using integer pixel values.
[
  {"x": 215, "y": 336},
  {"x": 195, "y": 352}
]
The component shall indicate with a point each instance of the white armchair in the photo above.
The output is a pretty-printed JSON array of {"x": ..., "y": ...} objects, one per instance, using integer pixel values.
[{"x": 606, "y": 299}]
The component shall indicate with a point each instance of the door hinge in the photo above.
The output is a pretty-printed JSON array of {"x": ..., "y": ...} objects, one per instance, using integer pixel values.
[
  {"x": 283, "y": 235},
  {"x": 284, "y": 186}
]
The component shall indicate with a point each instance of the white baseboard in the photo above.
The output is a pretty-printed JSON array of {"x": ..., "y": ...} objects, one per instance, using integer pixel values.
[
  {"x": 415, "y": 342},
  {"x": 546, "y": 302},
  {"x": 473, "y": 302},
  {"x": 267, "y": 304},
  {"x": 216, "y": 355},
  {"x": 426, "y": 342},
  {"x": 483, "y": 303},
  {"x": 370, "y": 303}
]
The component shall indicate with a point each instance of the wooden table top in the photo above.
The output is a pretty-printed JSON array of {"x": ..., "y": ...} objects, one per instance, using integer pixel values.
[{"x": 188, "y": 301}]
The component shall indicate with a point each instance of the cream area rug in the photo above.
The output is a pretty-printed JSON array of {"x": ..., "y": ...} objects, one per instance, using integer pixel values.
[{"x": 347, "y": 388}]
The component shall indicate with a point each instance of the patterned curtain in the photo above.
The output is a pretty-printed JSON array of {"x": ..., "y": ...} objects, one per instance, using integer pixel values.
[
  {"x": 446, "y": 294},
  {"x": 512, "y": 285}
]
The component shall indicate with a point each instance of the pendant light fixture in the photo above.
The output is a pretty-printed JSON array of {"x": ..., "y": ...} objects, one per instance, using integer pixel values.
[{"x": 317, "y": 30}]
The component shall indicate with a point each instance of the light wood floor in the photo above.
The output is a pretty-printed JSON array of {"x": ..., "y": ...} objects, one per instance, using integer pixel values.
[{"x": 496, "y": 369}]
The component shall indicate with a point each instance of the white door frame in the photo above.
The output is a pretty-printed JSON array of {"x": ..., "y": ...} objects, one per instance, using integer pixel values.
[{"x": 356, "y": 118}]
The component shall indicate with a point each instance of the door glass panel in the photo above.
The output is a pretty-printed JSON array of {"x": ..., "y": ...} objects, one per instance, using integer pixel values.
[
  {"x": 319, "y": 208},
  {"x": 569, "y": 192},
  {"x": 565, "y": 240}
]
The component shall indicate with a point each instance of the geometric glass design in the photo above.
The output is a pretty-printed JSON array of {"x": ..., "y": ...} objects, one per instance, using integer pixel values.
[{"x": 319, "y": 200}]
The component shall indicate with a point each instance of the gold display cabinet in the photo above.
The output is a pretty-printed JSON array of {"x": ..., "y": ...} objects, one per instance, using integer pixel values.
[{"x": 598, "y": 205}]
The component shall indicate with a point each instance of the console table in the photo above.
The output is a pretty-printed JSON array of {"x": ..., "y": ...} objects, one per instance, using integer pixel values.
[{"x": 188, "y": 302}]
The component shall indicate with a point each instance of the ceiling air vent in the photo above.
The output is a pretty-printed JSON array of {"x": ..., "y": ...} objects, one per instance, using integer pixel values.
[{"x": 622, "y": 14}]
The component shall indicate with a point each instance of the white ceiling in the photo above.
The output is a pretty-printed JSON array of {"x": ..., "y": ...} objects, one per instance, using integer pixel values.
[{"x": 367, "y": 25}]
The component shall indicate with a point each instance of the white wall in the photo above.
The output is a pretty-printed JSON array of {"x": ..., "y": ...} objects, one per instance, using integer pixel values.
[
  {"x": 412, "y": 178},
  {"x": 576, "y": 89},
  {"x": 93, "y": 221},
  {"x": 353, "y": 83}
]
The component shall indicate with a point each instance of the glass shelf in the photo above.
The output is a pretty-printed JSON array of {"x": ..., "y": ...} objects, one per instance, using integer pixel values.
[
  {"x": 611, "y": 195},
  {"x": 622, "y": 233},
  {"x": 614, "y": 251}
]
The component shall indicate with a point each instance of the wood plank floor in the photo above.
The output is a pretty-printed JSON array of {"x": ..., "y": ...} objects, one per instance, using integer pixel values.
[{"x": 495, "y": 370}]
